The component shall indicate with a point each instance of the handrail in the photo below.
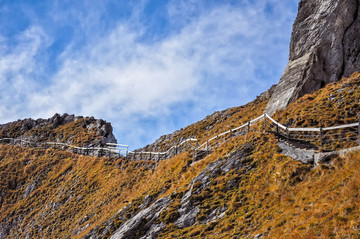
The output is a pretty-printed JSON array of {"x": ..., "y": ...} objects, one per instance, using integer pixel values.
[
  {"x": 118, "y": 151},
  {"x": 341, "y": 126},
  {"x": 275, "y": 122},
  {"x": 117, "y": 147},
  {"x": 304, "y": 129},
  {"x": 249, "y": 124}
]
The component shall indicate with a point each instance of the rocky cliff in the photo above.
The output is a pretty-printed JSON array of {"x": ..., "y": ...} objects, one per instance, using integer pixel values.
[
  {"x": 325, "y": 46},
  {"x": 71, "y": 129}
]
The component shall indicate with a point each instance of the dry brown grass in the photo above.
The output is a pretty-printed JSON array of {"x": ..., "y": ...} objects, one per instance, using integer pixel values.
[{"x": 279, "y": 197}]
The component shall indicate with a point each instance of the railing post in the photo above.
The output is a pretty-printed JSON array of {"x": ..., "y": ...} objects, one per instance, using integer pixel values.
[
  {"x": 249, "y": 127},
  {"x": 288, "y": 133},
  {"x": 264, "y": 122},
  {"x": 196, "y": 148},
  {"x": 277, "y": 128},
  {"x": 320, "y": 136},
  {"x": 207, "y": 147},
  {"x": 217, "y": 141}
]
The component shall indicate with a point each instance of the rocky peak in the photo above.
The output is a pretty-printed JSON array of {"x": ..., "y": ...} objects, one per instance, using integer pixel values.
[
  {"x": 324, "y": 48},
  {"x": 64, "y": 128}
]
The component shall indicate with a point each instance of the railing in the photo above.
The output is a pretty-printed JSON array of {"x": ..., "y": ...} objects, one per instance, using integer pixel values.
[
  {"x": 319, "y": 136},
  {"x": 174, "y": 150},
  {"x": 327, "y": 138},
  {"x": 343, "y": 136},
  {"x": 111, "y": 151}
]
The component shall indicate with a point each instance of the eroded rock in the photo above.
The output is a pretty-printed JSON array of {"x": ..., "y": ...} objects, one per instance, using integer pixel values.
[{"x": 141, "y": 225}]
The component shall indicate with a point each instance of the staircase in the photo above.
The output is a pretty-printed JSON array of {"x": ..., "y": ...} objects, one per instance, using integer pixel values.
[{"x": 298, "y": 150}]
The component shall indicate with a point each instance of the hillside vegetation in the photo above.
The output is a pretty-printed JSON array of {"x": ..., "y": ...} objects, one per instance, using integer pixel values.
[
  {"x": 244, "y": 188},
  {"x": 78, "y": 131}
]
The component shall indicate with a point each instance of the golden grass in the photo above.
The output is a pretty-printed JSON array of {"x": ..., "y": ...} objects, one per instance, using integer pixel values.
[
  {"x": 336, "y": 104},
  {"x": 73, "y": 133},
  {"x": 278, "y": 197}
]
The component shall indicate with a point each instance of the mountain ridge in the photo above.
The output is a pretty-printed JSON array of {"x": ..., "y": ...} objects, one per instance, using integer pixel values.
[{"x": 70, "y": 129}]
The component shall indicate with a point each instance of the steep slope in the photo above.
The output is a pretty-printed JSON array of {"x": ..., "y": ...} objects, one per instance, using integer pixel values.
[
  {"x": 244, "y": 188},
  {"x": 215, "y": 123},
  {"x": 336, "y": 104},
  {"x": 57, "y": 194},
  {"x": 324, "y": 48}
]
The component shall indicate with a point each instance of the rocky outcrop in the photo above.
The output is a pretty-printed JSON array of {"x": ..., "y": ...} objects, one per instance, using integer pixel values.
[
  {"x": 324, "y": 48},
  {"x": 190, "y": 204},
  {"x": 64, "y": 128},
  {"x": 146, "y": 221},
  {"x": 143, "y": 222},
  {"x": 302, "y": 155}
]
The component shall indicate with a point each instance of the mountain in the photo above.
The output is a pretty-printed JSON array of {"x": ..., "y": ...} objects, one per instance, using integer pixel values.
[
  {"x": 246, "y": 187},
  {"x": 324, "y": 48},
  {"x": 252, "y": 182},
  {"x": 70, "y": 129}
]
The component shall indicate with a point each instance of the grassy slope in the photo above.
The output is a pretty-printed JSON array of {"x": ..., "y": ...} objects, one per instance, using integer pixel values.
[
  {"x": 215, "y": 124},
  {"x": 74, "y": 132},
  {"x": 282, "y": 198},
  {"x": 336, "y": 104},
  {"x": 279, "y": 197},
  {"x": 70, "y": 187}
]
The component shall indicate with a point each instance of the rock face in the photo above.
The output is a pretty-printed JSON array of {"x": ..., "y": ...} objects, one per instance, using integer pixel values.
[
  {"x": 64, "y": 128},
  {"x": 145, "y": 221},
  {"x": 325, "y": 46}
]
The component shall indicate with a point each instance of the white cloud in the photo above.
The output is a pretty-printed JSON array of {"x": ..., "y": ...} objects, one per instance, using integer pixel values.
[
  {"x": 17, "y": 67},
  {"x": 123, "y": 79}
]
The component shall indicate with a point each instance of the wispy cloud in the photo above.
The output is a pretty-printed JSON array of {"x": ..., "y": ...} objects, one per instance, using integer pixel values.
[
  {"x": 20, "y": 62},
  {"x": 214, "y": 56}
]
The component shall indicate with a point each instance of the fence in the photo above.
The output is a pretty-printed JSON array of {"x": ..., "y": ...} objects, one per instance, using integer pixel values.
[
  {"x": 174, "y": 150},
  {"x": 347, "y": 136},
  {"x": 329, "y": 138},
  {"x": 206, "y": 147},
  {"x": 113, "y": 150}
]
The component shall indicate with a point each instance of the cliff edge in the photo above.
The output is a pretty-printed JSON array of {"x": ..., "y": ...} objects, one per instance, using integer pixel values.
[{"x": 324, "y": 48}]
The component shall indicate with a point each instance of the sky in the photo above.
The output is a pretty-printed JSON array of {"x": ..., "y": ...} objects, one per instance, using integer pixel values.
[{"x": 149, "y": 67}]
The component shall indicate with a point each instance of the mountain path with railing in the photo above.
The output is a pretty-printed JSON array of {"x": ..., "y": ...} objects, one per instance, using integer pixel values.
[{"x": 290, "y": 145}]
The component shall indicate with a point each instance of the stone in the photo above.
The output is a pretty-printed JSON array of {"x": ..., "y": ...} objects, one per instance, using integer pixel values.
[
  {"x": 302, "y": 155},
  {"x": 188, "y": 211},
  {"x": 143, "y": 222},
  {"x": 325, "y": 47}
]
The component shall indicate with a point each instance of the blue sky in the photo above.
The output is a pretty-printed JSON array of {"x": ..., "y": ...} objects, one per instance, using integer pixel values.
[{"x": 149, "y": 67}]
